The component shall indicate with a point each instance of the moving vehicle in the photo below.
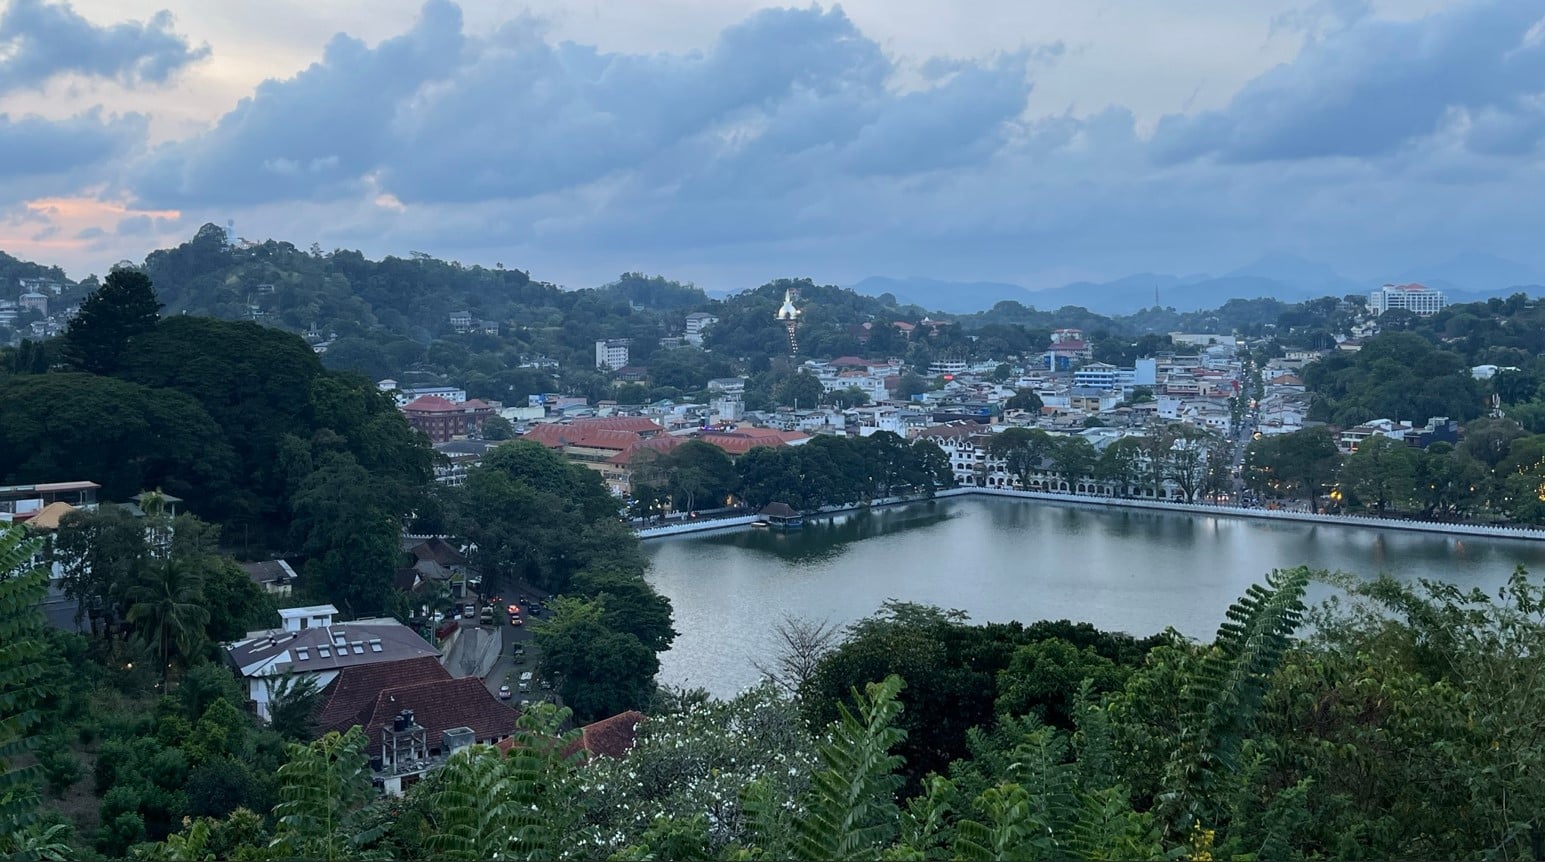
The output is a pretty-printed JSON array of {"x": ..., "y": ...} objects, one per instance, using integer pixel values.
[
  {"x": 512, "y": 610},
  {"x": 468, "y": 612},
  {"x": 487, "y": 617},
  {"x": 517, "y": 621}
]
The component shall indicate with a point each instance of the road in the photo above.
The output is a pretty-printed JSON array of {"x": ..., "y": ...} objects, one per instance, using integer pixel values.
[{"x": 507, "y": 669}]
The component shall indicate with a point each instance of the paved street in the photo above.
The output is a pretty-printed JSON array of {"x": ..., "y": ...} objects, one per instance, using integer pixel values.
[{"x": 507, "y": 668}]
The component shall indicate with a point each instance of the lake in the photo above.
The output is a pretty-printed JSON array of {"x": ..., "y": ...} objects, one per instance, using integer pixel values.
[{"x": 1002, "y": 559}]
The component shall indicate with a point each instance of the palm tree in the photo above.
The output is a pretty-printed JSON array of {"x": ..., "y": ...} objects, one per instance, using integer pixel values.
[{"x": 166, "y": 608}]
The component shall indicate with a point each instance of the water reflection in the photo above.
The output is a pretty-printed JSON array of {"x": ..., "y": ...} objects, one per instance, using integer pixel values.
[{"x": 998, "y": 560}]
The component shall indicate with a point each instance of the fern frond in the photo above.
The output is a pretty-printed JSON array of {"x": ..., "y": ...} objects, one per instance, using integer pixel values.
[
  {"x": 1224, "y": 693},
  {"x": 850, "y": 810}
]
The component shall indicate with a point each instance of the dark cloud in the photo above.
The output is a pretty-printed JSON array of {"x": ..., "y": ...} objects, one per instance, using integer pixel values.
[
  {"x": 786, "y": 96},
  {"x": 795, "y": 143},
  {"x": 91, "y": 233},
  {"x": 34, "y": 150},
  {"x": 1368, "y": 87},
  {"x": 40, "y": 40},
  {"x": 315, "y": 135}
]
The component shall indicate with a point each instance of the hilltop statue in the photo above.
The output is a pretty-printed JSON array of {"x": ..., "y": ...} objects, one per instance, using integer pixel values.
[
  {"x": 788, "y": 315},
  {"x": 787, "y": 312}
]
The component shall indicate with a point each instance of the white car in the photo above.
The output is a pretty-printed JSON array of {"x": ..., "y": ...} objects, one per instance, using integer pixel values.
[
  {"x": 468, "y": 612},
  {"x": 504, "y": 692}
]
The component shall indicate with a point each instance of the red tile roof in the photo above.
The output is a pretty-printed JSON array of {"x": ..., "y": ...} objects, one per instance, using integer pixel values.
[
  {"x": 343, "y": 699},
  {"x": 431, "y": 404},
  {"x": 609, "y": 737},
  {"x": 654, "y": 444},
  {"x": 739, "y": 442},
  {"x": 439, "y": 706}
]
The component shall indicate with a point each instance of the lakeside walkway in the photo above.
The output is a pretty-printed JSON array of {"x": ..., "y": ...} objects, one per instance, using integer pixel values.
[{"x": 1474, "y": 530}]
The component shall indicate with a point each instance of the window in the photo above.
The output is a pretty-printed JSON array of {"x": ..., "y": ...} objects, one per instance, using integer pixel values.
[
  {"x": 302, "y": 653},
  {"x": 359, "y": 648},
  {"x": 375, "y": 645},
  {"x": 324, "y": 652}
]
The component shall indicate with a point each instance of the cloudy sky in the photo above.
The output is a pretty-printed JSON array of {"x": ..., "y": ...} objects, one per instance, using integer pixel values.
[{"x": 729, "y": 141}]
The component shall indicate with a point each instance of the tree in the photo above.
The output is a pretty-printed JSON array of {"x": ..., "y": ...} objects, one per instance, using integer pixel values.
[
  {"x": 599, "y": 671},
  {"x": 1074, "y": 458},
  {"x": 1120, "y": 464},
  {"x": 346, "y": 522},
  {"x": 122, "y": 309},
  {"x": 166, "y": 610},
  {"x": 1299, "y": 464},
  {"x": 800, "y": 388},
  {"x": 802, "y": 644},
  {"x": 1186, "y": 462},
  {"x": 497, "y": 427},
  {"x": 909, "y": 385},
  {"x": 23, "y": 585},
  {"x": 1023, "y": 451},
  {"x": 1024, "y": 399},
  {"x": 293, "y": 705},
  {"x": 100, "y": 554},
  {"x": 324, "y": 787},
  {"x": 630, "y": 605},
  {"x": 1382, "y": 472}
]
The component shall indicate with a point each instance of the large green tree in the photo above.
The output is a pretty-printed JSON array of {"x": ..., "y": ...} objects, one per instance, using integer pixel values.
[
  {"x": 122, "y": 309},
  {"x": 599, "y": 670},
  {"x": 1301, "y": 464},
  {"x": 1381, "y": 473}
]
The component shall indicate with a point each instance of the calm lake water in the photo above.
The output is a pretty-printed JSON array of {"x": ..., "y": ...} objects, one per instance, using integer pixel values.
[{"x": 1001, "y": 560}]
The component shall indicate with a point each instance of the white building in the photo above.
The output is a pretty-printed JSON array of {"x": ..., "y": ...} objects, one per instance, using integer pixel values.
[
  {"x": 611, "y": 353},
  {"x": 453, "y": 394},
  {"x": 36, "y": 301},
  {"x": 698, "y": 321},
  {"x": 1415, "y": 298},
  {"x": 311, "y": 643}
]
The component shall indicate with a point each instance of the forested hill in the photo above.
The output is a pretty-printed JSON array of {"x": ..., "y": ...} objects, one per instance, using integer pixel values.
[{"x": 382, "y": 315}]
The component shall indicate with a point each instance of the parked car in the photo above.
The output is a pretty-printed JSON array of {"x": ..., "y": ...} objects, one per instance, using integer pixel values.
[
  {"x": 469, "y": 612},
  {"x": 504, "y": 692},
  {"x": 517, "y": 621}
]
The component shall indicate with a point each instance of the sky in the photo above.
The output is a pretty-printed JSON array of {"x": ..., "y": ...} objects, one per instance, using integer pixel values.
[{"x": 730, "y": 142}]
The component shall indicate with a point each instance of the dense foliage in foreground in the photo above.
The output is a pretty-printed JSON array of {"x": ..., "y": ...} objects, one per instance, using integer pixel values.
[{"x": 1408, "y": 724}]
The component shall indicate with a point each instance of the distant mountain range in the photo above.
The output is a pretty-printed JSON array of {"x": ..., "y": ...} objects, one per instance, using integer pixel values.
[{"x": 1468, "y": 277}]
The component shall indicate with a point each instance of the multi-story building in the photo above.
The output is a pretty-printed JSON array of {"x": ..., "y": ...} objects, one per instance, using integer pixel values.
[
  {"x": 310, "y": 643},
  {"x": 453, "y": 394},
  {"x": 698, "y": 321},
  {"x": 20, "y": 503},
  {"x": 442, "y": 420},
  {"x": 611, "y": 353},
  {"x": 1097, "y": 375},
  {"x": 1415, "y": 298},
  {"x": 461, "y": 321},
  {"x": 33, "y": 300}
]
